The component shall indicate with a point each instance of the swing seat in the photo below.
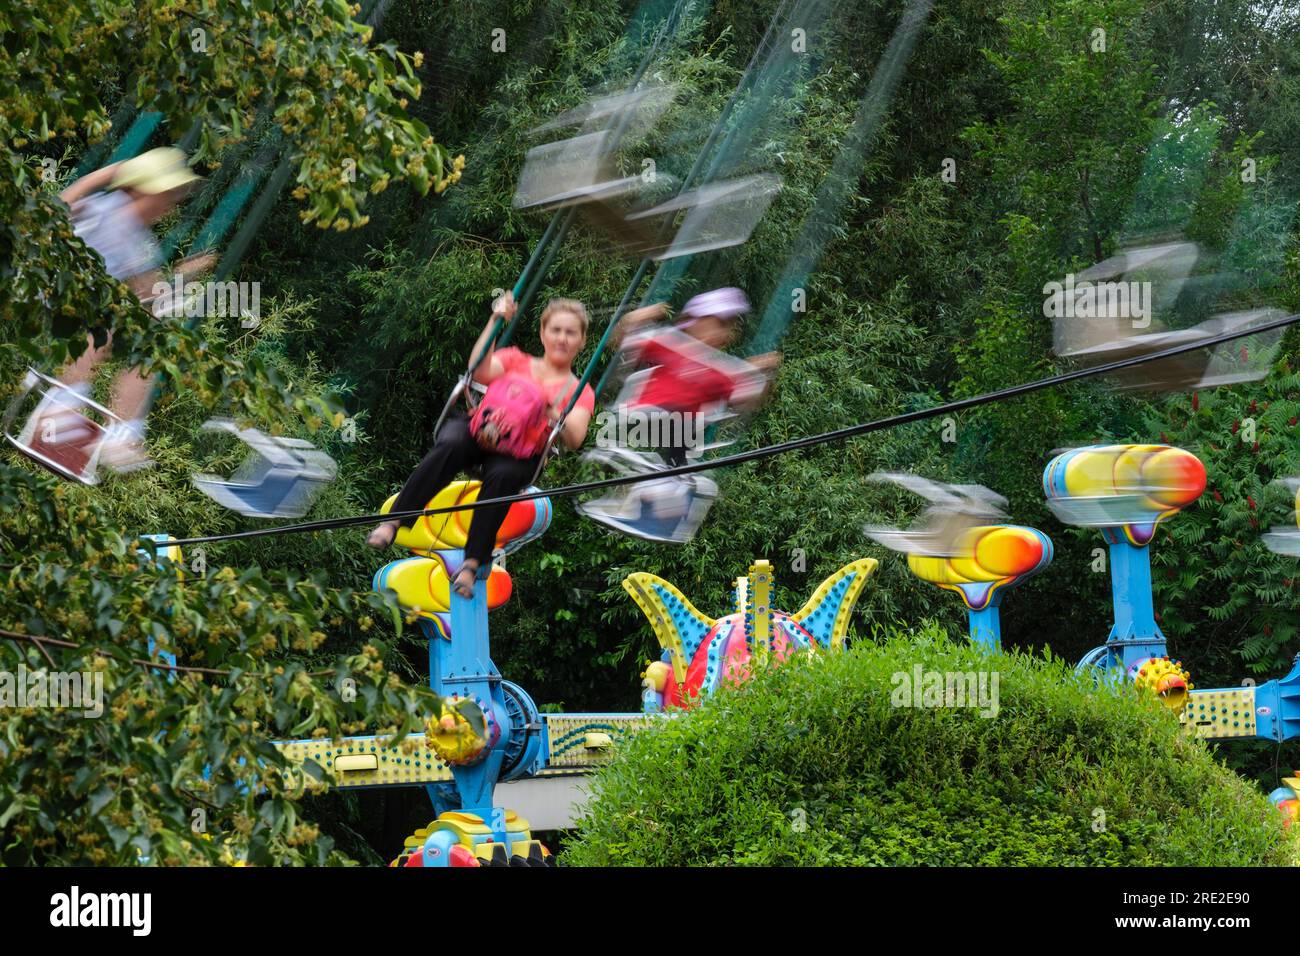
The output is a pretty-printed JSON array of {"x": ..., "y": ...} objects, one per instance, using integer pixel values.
[
  {"x": 637, "y": 110},
  {"x": 1228, "y": 363},
  {"x": 281, "y": 478},
  {"x": 717, "y": 216},
  {"x": 666, "y": 511},
  {"x": 573, "y": 172},
  {"x": 474, "y": 393},
  {"x": 943, "y": 530},
  {"x": 1102, "y": 334},
  {"x": 1285, "y": 539},
  {"x": 70, "y": 445}
]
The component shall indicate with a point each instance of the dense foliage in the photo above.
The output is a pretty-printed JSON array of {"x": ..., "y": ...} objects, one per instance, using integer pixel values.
[
  {"x": 815, "y": 763},
  {"x": 180, "y": 770}
]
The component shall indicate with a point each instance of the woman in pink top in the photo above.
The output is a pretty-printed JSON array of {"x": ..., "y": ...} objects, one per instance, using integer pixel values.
[{"x": 564, "y": 332}]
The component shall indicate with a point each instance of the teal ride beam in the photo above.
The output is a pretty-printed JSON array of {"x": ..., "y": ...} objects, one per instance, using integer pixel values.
[
  {"x": 228, "y": 209},
  {"x": 135, "y": 138},
  {"x": 840, "y": 181},
  {"x": 713, "y": 153},
  {"x": 248, "y": 229},
  {"x": 774, "y": 80},
  {"x": 560, "y": 223},
  {"x": 91, "y": 160},
  {"x": 234, "y": 186}
]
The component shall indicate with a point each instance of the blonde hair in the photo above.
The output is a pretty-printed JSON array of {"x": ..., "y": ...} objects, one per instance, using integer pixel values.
[{"x": 572, "y": 306}]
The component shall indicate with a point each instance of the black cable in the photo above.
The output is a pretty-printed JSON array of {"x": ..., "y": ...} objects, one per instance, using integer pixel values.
[{"x": 768, "y": 451}]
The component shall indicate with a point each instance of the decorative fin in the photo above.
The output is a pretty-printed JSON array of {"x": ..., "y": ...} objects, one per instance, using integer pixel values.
[
  {"x": 826, "y": 615},
  {"x": 678, "y": 625}
]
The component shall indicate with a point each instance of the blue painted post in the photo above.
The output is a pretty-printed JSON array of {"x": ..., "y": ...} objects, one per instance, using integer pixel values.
[
  {"x": 466, "y": 670},
  {"x": 1134, "y": 635},
  {"x": 151, "y": 557},
  {"x": 986, "y": 627}
]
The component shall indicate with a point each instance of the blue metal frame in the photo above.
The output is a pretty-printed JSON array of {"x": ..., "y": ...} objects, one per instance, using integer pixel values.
[
  {"x": 1134, "y": 636},
  {"x": 1270, "y": 711},
  {"x": 1273, "y": 706}
]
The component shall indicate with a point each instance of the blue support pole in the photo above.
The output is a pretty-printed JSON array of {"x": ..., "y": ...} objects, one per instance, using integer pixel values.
[
  {"x": 1134, "y": 635},
  {"x": 462, "y": 667},
  {"x": 986, "y": 627}
]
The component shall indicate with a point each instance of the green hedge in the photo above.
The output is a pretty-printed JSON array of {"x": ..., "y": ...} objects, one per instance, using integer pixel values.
[{"x": 811, "y": 764}]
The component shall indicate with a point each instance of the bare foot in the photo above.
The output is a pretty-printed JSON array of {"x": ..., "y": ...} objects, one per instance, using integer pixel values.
[{"x": 383, "y": 535}]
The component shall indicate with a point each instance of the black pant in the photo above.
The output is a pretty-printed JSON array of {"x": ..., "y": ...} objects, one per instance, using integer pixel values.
[
  {"x": 672, "y": 452},
  {"x": 455, "y": 450}
]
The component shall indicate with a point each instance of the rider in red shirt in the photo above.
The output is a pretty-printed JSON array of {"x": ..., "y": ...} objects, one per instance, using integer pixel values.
[
  {"x": 687, "y": 374},
  {"x": 688, "y": 370}
]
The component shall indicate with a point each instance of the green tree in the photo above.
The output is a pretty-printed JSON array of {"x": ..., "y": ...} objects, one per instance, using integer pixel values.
[{"x": 178, "y": 767}]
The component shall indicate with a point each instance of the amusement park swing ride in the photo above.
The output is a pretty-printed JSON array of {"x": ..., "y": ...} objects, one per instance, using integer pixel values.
[{"x": 489, "y": 731}]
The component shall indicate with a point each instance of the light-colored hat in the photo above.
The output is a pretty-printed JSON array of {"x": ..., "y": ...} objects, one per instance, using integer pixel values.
[
  {"x": 729, "y": 303},
  {"x": 157, "y": 171}
]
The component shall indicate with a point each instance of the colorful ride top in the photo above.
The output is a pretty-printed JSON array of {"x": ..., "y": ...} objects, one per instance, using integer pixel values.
[
  {"x": 1126, "y": 491},
  {"x": 1287, "y": 797},
  {"x": 700, "y": 653},
  {"x": 989, "y": 560}
]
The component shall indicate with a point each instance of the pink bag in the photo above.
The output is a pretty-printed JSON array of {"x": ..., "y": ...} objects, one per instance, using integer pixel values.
[{"x": 511, "y": 418}]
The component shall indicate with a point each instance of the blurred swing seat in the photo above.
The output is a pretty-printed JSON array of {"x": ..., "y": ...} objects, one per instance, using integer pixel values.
[
  {"x": 280, "y": 478},
  {"x": 1101, "y": 334},
  {"x": 577, "y": 173},
  {"x": 1230, "y": 363},
  {"x": 669, "y": 510},
  {"x": 56, "y": 434}
]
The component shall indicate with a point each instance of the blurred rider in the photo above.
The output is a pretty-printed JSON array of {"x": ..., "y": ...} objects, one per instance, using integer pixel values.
[{"x": 113, "y": 209}]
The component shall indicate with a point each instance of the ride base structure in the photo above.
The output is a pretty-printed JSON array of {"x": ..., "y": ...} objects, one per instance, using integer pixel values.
[
  {"x": 1124, "y": 491},
  {"x": 489, "y": 731}
]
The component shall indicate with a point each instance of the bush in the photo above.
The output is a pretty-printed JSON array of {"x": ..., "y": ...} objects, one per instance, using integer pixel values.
[{"x": 810, "y": 764}]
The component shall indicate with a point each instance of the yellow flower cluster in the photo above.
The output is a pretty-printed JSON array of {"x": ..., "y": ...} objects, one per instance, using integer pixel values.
[{"x": 457, "y": 165}]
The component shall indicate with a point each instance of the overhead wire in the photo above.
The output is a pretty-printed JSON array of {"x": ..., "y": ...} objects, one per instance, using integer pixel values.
[{"x": 768, "y": 451}]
